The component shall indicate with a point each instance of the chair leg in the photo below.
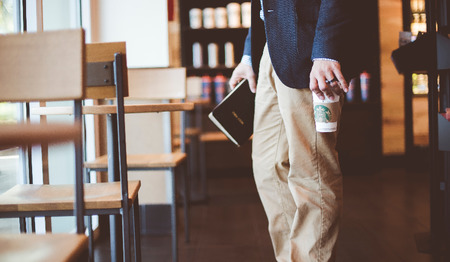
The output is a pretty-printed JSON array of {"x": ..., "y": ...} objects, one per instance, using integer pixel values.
[
  {"x": 137, "y": 231},
  {"x": 193, "y": 167},
  {"x": 23, "y": 224},
  {"x": 91, "y": 238},
  {"x": 89, "y": 223},
  {"x": 202, "y": 157},
  {"x": 186, "y": 198},
  {"x": 115, "y": 238},
  {"x": 174, "y": 218},
  {"x": 126, "y": 234}
]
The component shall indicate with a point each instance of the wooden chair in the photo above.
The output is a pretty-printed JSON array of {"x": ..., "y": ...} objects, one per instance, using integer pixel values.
[
  {"x": 106, "y": 78},
  {"x": 35, "y": 67},
  {"x": 163, "y": 85}
]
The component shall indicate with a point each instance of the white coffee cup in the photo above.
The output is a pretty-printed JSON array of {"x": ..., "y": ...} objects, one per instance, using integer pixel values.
[
  {"x": 208, "y": 18},
  {"x": 234, "y": 15},
  {"x": 197, "y": 55},
  {"x": 326, "y": 113},
  {"x": 229, "y": 54},
  {"x": 195, "y": 18},
  {"x": 221, "y": 17},
  {"x": 246, "y": 9},
  {"x": 213, "y": 55}
]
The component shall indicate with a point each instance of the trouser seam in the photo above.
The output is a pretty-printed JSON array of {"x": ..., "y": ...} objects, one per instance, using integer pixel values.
[{"x": 278, "y": 178}]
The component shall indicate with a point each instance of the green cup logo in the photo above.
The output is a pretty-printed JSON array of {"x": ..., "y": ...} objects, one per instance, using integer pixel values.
[{"x": 322, "y": 114}]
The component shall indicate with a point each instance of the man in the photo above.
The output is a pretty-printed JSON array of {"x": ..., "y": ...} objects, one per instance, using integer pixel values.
[{"x": 297, "y": 47}]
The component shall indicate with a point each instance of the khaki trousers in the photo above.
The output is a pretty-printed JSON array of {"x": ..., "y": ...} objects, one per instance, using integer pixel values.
[{"x": 296, "y": 171}]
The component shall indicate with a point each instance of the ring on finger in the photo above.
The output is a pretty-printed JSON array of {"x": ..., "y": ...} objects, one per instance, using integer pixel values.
[{"x": 331, "y": 81}]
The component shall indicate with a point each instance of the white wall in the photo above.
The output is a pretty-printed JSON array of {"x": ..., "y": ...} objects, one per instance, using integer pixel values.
[
  {"x": 145, "y": 134},
  {"x": 59, "y": 14},
  {"x": 141, "y": 23}
]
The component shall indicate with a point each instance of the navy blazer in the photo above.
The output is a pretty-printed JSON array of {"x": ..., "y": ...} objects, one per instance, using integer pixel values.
[{"x": 298, "y": 31}]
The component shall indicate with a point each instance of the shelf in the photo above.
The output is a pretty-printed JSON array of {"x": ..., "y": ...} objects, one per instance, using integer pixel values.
[
  {"x": 213, "y": 30},
  {"x": 218, "y": 35},
  {"x": 208, "y": 3},
  {"x": 206, "y": 36},
  {"x": 227, "y": 71}
]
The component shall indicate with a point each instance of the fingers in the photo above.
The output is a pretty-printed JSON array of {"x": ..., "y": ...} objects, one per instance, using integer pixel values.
[
  {"x": 331, "y": 86},
  {"x": 326, "y": 79},
  {"x": 342, "y": 82},
  {"x": 252, "y": 84},
  {"x": 234, "y": 80},
  {"x": 241, "y": 72}
]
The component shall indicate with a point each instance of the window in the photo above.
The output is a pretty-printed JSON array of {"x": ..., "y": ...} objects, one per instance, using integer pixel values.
[{"x": 11, "y": 168}]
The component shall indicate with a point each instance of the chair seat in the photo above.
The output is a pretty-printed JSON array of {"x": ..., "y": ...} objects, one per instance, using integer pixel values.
[
  {"x": 61, "y": 197},
  {"x": 42, "y": 248},
  {"x": 142, "y": 161}
]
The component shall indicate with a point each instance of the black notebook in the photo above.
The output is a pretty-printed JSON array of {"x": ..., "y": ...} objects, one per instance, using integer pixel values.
[{"x": 234, "y": 115}]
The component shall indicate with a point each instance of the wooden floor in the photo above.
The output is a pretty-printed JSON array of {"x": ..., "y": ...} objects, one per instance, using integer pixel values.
[{"x": 382, "y": 214}]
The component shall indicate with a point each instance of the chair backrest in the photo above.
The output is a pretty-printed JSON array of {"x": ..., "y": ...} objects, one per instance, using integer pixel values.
[
  {"x": 47, "y": 66},
  {"x": 107, "y": 78},
  {"x": 157, "y": 83},
  {"x": 100, "y": 80},
  {"x": 42, "y": 66}
]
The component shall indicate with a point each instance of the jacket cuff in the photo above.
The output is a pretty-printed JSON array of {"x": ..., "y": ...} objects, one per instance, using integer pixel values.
[
  {"x": 325, "y": 59},
  {"x": 246, "y": 59}
]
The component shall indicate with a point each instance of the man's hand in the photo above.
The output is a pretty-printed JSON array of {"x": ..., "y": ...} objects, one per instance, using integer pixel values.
[
  {"x": 243, "y": 71},
  {"x": 326, "y": 77}
]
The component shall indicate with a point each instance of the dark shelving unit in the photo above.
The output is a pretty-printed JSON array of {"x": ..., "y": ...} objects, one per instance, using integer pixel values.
[
  {"x": 431, "y": 52},
  {"x": 205, "y": 36}
]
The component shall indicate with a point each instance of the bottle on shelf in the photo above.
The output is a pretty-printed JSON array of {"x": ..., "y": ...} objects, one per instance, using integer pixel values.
[
  {"x": 206, "y": 87},
  {"x": 194, "y": 87},
  {"x": 220, "y": 14},
  {"x": 229, "y": 54},
  {"x": 246, "y": 14},
  {"x": 350, "y": 95},
  {"x": 213, "y": 55},
  {"x": 195, "y": 18},
  {"x": 419, "y": 84},
  {"x": 208, "y": 18},
  {"x": 414, "y": 6},
  {"x": 364, "y": 81},
  {"x": 423, "y": 23},
  {"x": 234, "y": 15},
  {"x": 415, "y": 25},
  {"x": 421, "y": 6},
  {"x": 197, "y": 55},
  {"x": 220, "y": 83}
]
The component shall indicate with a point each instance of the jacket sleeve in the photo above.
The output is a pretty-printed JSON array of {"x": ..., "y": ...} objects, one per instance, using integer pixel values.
[
  {"x": 248, "y": 43},
  {"x": 333, "y": 30}
]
